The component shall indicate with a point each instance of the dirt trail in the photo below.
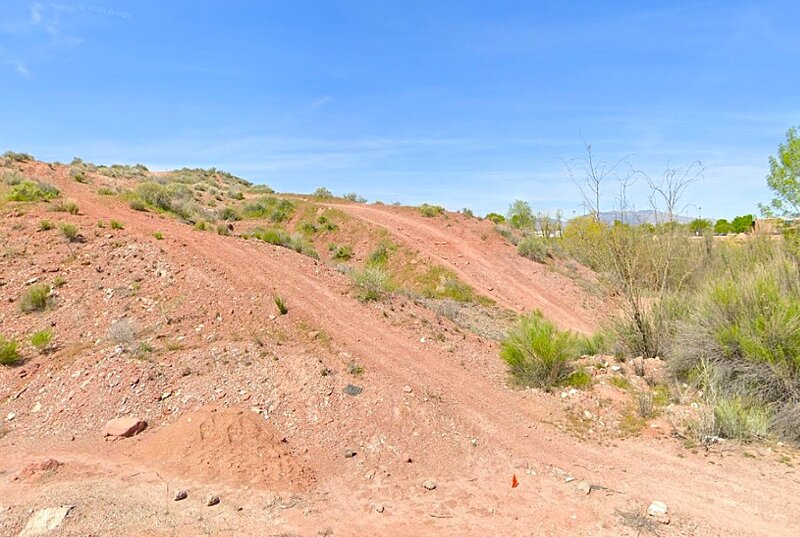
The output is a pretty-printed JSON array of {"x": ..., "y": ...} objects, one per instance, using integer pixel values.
[
  {"x": 489, "y": 264},
  {"x": 474, "y": 433}
]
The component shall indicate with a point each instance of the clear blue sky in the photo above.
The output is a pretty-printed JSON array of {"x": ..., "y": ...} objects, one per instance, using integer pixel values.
[{"x": 457, "y": 103}]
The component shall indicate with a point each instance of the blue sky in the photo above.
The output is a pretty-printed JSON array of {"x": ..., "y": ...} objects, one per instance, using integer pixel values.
[{"x": 464, "y": 104}]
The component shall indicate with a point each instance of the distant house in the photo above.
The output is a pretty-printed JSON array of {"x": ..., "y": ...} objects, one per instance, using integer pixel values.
[{"x": 775, "y": 226}]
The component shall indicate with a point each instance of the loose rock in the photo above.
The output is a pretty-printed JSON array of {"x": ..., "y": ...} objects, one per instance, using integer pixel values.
[
  {"x": 349, "y": 453},
  {"x": 429, "y": 484},
  {"x": 352, "y": 389},
  {"x": 212, "y": 500},
  {"x": 124, "y": 427},
  {"x": 45, "y": 521},
  {"x": 181, "y": 495},
  {"x": 657, "y": 509}
]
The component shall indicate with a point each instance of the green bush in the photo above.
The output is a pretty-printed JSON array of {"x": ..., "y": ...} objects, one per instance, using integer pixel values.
[
  {"x": 380, "y": 255},
  {"x": 158, "y": 236},
  {"x": 42, "y": 340},
  {"x": 222, "y": 229},
  {"x": 281, "y": 305},
  {"x": 430, "y": 211},
  {"x": 275, "y": 236},
  {"x": 105, "y": 191},
  {"x": 35, "y": 298},
  {"x": 371, "y": 283},
  {"x": 534, "y": 248},
  {"x": 322, "y": 192},
  {"x": 597, "y": 343},
  {"x": 343, "y": 253},
  {"x": 68, "y": 206},
  {"x": 230, "y": 214},
  {"x": 69, "y": 232},
  {"x": 538, "y": 354},
  {"x": 116, "y": 224},
  {"x": 742, "y": 342},
  {"x": 28, "y": 191},
  {"x": 137, "y": 204},
  {"x": 46, "y": 225},
  {"x": 8, "y": 351},
  {"x": 174, "y": 198},
  {"x": 496, "y": 218},
  {"x": 439, "y": 282},
  {"x": 741, "y": 420},
  {"x": 17, "y": 157},
  {"x": 274, "y": 209}
]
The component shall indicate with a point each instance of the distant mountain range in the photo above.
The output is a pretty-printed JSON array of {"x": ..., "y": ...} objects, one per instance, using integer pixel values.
[{"x": 641, "y": 217}]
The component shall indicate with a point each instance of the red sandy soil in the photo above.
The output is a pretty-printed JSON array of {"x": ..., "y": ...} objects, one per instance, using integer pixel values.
[{"x": 249, "y": 405}]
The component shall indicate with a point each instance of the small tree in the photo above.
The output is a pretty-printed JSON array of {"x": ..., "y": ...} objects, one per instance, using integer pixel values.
[
  {"x": 722, "y": 227},
  {"x": 743, "y": 224},
  {"x": 699, "y": 225},
  {"x": 520, "y": 215},
  {"x": 784, "y": 178}
]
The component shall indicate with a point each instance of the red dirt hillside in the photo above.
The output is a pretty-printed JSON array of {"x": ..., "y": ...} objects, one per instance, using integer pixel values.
[{"x": 339, "y": 417}]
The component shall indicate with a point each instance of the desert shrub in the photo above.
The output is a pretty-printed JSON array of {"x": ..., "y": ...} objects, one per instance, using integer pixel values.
[
  {"x": 116, "y": 224},
  {"x": 740, "y": 419},
  {"x": 105, "y": 191},
  {"x": 308, "y": 228},
  {"x": 579, "y": 378},
  {"x": 538, "y": 354},
  {"x": 281, "y": 305},
  {"x": 175, "y": 198},
  {"x": 78, "y": 176},
  {"x": 35, "y": 298},
  {"x": 467, "y": 212},
  {"x": 158, "y": 236},
  {"x": 46, "y": 225},
  {"x": 352, "y": 196},
  {"x": 438, "y": 282},
  {"x": 136, "y": 171},
  {"x": 380, "y": 255},
  {"x": 28, "y": 191},
  {"x": 122, "y": 332},
  {"x": 342, "y": 253},
  {"x": 301, "y": 245},
  {"x": 59, "y": 281},
  {"x": 430, "y": 211},
  {"x": 274, "y": 209},
  {"x": 276, "y": 236},
  {"x": 11, "y": 177},
  {"x": 17, "y": 157},
  {"x": 222, "y": 229},
  {"x": 534, "y": 248},
  {"x": 507, "y": 233},
  {"x": 229, "y": 214},
  {"x": 322, "y": 192},
  {"x": 520, "y": 215},
  {"x": 68, "y": 206},
  {"x": 326, "y": 223},
  {"x": 201, "y": 225},
  {"x": 137, "y": 204},
  {"x": 597, "y": 343},
  {"x": 42, "y": 340},
  {"x": 69, "y": 232},
  {"x": 371, "y": 283},
  {"x": 9, "y": 355},
  {"x": 742, "y": 342},
  {"x": 496, "y": 218}
]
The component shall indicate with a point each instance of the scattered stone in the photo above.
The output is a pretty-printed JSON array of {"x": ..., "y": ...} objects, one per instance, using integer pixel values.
[
  {"x": 587, "y": 415},
  {"x": 657, "y": 509},
  {"x": 124, "y": 427},
  {"x": 212, "y": 500},
  {"x": 11, "y": 416},
  {"x": 353, "y": 390},
  {"x": 569, "y": 479},
  {"x": 407, "y": 389},
  {"x": 473, "y": 442},
  {"x": 616, "y": 368},
  {"x": 429, "y": 484},
  {"x": 37, "y": 407},
  {"x": 31, "y": 281},
  {"x": 380, "y": 508},
  {"x": 349, "y": 453},
  {"x": 45, "y": 520},
  {"x": 166, "y": 395},
  {"x": 584, "y": 487},
  {"x": 181, "y": 495}
]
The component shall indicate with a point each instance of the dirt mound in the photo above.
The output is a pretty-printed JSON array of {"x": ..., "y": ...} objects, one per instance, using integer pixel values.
[{"x": 231, "y": 446}]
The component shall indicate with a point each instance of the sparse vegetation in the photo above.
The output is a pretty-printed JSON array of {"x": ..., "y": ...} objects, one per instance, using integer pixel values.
[
  {"x": 29, "y": 191},
  {"x": 69, "y": 232},
  {"x": 281, "y": 304},
  {"x": 430, "y": 211},
  {"x": 158, "y": 236},
  {"x": 274, "y": 209},
  {"x": 35, "y": 298},
  {"x": 371, "y": 283},
  {"x": 67, "y": 206},
  {"x": 116, "y": 224},
  {"x": 46, "y": 225},
  {"x": 533, "y": 247},
  {"x": 538, "y": 354},
  {"x": 9, "y": 355},
  {"x": 42, "y": 340},
  {"x": 341, "y": 253}
]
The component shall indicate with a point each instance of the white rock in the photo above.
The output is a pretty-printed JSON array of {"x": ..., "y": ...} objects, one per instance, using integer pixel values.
[
  {"x": 657, "y": 508},
  {"x": 45, "y": 521},
  {"x": 11, "y": 416}
]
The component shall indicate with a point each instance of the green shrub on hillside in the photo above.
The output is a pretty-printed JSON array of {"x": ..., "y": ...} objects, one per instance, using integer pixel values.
[
  {"x": 538, "y": 354},
  {"x": 8, "y": 351},
  {"x": 35, "y": 298},
  {"x": 17, "y": 157},
  {"x": 371, "y": 283},
  {"x": 42, "y": 340},
  {"x": 273, "y": 209},
  {"x": 742, "y": 342},
  {"x": 430, "y": 211},
  {"x": 534, "y": 248},
  {"x": 28, "y": 191}
]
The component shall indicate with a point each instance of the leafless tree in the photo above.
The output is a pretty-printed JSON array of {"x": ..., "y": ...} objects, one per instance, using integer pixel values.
[{"x": 588, "y": 173}]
